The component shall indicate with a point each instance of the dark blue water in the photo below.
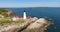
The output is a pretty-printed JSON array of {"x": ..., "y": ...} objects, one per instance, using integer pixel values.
[{"x": 45, "y": 12}]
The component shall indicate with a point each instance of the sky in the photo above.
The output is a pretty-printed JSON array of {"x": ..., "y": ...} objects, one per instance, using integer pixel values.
[{"x": 29, "y": 3}]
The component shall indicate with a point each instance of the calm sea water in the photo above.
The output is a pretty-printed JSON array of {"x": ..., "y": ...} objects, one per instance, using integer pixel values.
[{"x": 52, "y": 14}]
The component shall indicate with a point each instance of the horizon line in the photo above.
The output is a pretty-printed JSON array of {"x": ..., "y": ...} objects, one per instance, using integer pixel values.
[{"x": 25, "y": 7}]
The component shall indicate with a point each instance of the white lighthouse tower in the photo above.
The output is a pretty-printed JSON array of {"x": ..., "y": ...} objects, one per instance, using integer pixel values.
[{"x": 24, "y": 15}]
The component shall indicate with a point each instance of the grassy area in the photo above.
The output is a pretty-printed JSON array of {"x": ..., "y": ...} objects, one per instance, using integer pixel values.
[
  {"x": 3, "y": 22},
  {"x": 5, "y": 13},
  {"x": 20, "y": 21}
]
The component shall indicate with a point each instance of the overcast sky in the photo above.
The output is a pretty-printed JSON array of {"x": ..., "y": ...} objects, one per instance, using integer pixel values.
[{"x": 29, "y": 3}]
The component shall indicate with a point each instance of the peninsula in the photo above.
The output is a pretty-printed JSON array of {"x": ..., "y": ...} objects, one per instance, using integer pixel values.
[{"x": 21, "y": 24}]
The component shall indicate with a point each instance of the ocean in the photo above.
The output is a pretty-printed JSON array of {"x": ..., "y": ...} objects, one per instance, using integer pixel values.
[{"x": 52, "y": 14}]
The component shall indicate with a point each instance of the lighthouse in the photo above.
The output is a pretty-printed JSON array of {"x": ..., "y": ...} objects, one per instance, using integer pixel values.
[{"x": 24, "y": 14}]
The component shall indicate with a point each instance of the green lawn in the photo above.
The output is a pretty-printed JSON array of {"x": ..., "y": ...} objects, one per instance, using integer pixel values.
[{"x": 9, "y": 22}]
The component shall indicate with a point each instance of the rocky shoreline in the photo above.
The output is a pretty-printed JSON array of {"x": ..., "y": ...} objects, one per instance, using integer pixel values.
[{"x": 30, "y": 25}]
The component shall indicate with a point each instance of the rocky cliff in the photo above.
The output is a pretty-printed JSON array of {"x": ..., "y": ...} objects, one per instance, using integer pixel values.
[{"x": 31, "y": 25}]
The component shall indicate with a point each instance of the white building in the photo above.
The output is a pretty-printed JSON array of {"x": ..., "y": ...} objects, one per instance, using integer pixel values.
[
  {"x": 24, "y": 15},
  {"x": 14, "y": 18}
]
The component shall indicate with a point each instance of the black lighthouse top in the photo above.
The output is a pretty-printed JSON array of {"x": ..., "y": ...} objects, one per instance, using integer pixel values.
[{"x": 24, "y": 11}]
